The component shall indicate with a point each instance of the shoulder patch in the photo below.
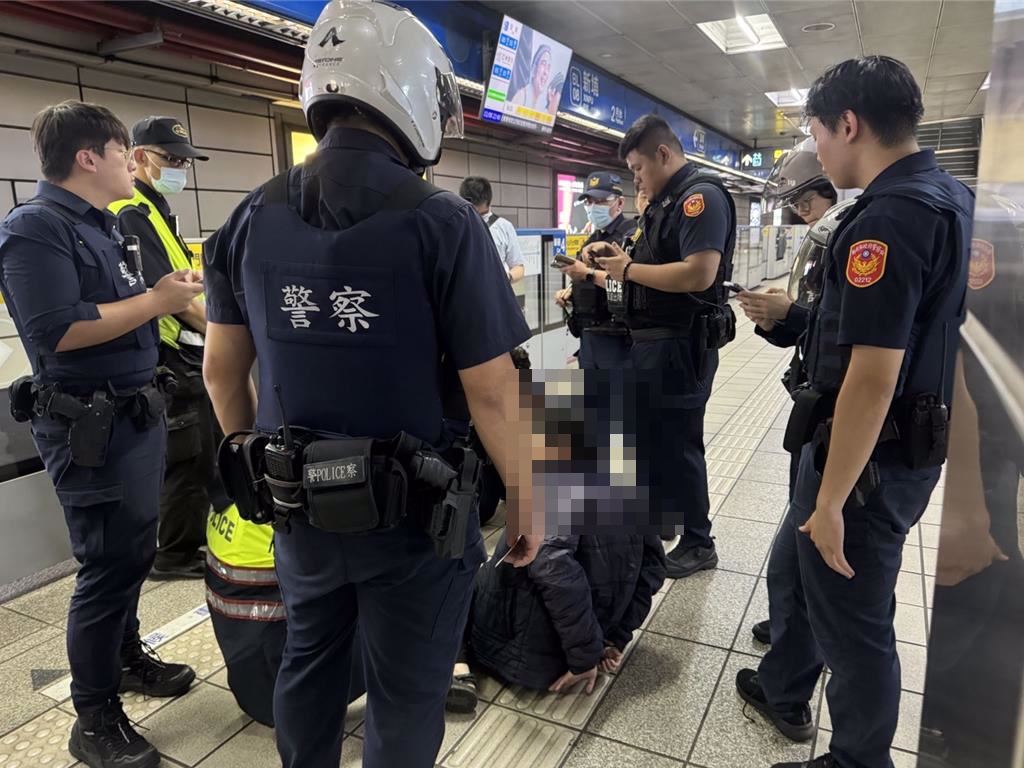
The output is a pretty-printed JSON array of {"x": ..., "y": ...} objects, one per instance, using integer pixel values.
[
  {"x": 693, "y": 206},
  {"x": 982, "y": 267},
  {"x": 866, "y": 263}
]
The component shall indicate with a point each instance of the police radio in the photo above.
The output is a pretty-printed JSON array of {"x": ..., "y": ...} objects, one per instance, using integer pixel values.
[{"x": 283, "y": 461}]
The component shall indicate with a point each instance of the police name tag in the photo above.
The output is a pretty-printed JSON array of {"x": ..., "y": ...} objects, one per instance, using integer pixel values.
[
  {"x": 328, "y": 474},
  {"x": 613, "y": 288}
]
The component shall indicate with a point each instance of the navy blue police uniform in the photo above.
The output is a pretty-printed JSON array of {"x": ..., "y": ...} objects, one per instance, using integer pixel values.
[
  {"x": 351, "y": 303},
  {"x": 59, "y": 258},
  {"x": 692, "y": 213},
  {"x": 895, "y": 277}
]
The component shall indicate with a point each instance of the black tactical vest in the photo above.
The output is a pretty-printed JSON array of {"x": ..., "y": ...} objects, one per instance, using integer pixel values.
[
  {"x": 928, "y": 366},
  {"x": 589, "y": 301},
  {"x": 659, "y": 244}
]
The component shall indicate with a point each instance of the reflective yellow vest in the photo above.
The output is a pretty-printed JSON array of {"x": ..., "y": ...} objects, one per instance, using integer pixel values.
[
  {"x": 177, "y": 254},
  {"x": 238, "y": 543}
]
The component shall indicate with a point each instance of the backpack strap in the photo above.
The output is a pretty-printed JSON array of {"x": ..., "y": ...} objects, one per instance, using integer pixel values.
[{"x": 492, "y": 219}]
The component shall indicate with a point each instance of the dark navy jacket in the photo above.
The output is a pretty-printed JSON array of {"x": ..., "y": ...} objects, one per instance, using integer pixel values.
[
  {"x": 56, "y": 266},
  {"x": 350, "y": 306},
  {"x": 530, "y": 625}
]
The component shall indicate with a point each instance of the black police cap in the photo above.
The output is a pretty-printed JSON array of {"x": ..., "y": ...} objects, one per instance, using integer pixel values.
[
  {"x": 602, "y": 185},
  {"x": 168, "y": 133}
]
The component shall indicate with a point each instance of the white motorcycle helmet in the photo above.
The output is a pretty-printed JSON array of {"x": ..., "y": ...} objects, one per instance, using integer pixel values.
[{"x": 382, "y": 61}]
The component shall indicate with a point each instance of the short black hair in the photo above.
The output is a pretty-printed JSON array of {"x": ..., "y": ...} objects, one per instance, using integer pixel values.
[
  {"x": 878, "y": 89},
  {"x": 61, "y": 131},
  {"x": 477, "y": 190},
  {"x": 826, "y": 190},
  {"x": 646, "y": 135}
]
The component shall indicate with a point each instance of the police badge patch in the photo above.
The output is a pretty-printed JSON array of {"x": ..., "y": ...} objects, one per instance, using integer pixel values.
[
  {"x": 693, "y": 206},
  {"x": 866, "y": 263},
  {"x": 982, "y": 268}
]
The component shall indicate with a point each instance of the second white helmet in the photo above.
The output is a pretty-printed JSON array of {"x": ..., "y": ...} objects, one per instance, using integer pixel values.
[{"x": 382, "y": 60}]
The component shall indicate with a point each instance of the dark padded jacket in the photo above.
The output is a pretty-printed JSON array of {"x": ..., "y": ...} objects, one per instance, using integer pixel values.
[{"x": 530, "y": 625}]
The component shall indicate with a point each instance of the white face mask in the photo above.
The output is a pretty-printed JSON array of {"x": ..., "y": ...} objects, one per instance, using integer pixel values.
[{"x": 171, "y": 181}]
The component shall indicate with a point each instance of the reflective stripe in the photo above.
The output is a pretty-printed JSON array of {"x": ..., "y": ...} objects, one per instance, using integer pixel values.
[
  {"x": 191, "y": 338},
  {"x": 248, "y": 610},
  {"x": 265, "y": 576}
]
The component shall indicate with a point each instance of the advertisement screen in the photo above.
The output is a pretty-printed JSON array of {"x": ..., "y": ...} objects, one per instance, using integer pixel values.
[
  {"x": 572, "y": 216},
  {"x": 526, "y": 79}
]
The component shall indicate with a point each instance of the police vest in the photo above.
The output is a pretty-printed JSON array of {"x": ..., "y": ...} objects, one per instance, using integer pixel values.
[
  {"x": 241, "y": 582},
  {"x": 659, "y": 244},
  {"x": 589, "y": 301},
  {"x": 933, "y": 337},
  {"x": 178, "y": 256},
  {"x": 109, "y": 278},
  {"x": 329, "y": 307}
]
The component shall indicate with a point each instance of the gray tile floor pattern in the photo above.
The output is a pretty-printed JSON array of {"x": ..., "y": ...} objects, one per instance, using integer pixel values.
[{"x": 671, "y": 704}]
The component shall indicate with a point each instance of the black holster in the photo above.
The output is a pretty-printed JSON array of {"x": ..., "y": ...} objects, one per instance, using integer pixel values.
[
  {"x": 923, "y": 426},
  {"x": 869, "y": 479},
  {"x": 242, "y": 470},
  {"x": 449, "y": 520},
  {"x": 810, "y": 408},
  {"x": 22, "y": 396}
]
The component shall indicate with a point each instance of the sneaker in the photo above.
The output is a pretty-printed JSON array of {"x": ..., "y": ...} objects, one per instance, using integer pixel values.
[
  {"x": 462, "y": 696},
  {"x": 142, "y": 671},
  {"x": 195, "y": 569},
  {"x": 686, "y": 562},
  {"x": 795, "y": 724},
  {"x": 825, "y": 761},
  {"x": 107, "y": 739},
  {"x": 762, "y": 632}
]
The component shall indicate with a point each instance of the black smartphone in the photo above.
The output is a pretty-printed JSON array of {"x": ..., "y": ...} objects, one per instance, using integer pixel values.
[
  {"x": 734, "y": 287},
  {"x": 561, "y": 260}
]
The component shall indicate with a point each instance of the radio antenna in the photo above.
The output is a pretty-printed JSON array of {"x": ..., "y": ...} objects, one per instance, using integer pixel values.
[{"x": 286, "y": 430}]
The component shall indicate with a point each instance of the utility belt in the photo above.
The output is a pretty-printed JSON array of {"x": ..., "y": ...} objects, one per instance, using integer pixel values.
[
  {"x": 91, "y": 419},
  {"x": 352, "y": 485},
  {"x": 917, "y": 425},
  {"x": 709, "y": 330}
]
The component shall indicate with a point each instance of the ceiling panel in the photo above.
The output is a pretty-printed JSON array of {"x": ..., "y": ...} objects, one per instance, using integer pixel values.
[
  {"x": 791, "y": 25},
  {"x": 902, "y": 47},
  {"x": 703, "y": 68},
  {"x": 962, "y": 62},
  {"x": 780, "y": 68},
  {"x": 889, "y": 17},
  {"x": 655, "y": 14},
  {"x": 951, "y": 97},
  {"x": 698, "y": 11},
  {"x": 940, "y": 85},
  {"x": 815, "y": 59},
  {"x": 964, "y": 36},
  {"x": 689, "y": 40},
  {"x": 957, "y": 12},
  {"x": 977, "y": 107}
]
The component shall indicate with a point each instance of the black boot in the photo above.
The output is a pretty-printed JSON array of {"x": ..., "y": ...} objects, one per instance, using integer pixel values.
[
  {"x": 143, "y": 671},
  {"x": 795, "y": 724},
  {"x": 105, "y": 738},
  {"x": 681, "y": 563},
  {"x": 762, "y": 632}
]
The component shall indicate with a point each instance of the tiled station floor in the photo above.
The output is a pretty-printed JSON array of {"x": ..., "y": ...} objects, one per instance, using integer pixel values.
[{"x": 672, "y": 703}]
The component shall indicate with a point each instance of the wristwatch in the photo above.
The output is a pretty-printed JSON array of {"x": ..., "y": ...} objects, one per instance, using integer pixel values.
[{"x": 590, "y": 275}]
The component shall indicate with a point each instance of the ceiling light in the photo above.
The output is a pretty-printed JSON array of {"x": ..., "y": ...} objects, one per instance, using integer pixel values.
[
  {"x": 821, "y": 26},
  {"x": 747, "y": 30},
  {"x": 743, "y": 34},
  {"x": 605, "y": 55},
  {"x": 794, "y": 97},
  {"x": 988, "y": 81}
]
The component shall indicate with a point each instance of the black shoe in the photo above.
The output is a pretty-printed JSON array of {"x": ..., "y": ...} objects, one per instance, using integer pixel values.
[
  {"x": 143, "y": 671},
  {"x": 194, "y": 569},
  {"x": 825, "y": 761},
  {"x": 686, "y": 562},
  {"x": 462, "y": 696},
  {"x": 795, "y": 724},
  {"x": 106, "y": 739},
  {"x": 762, "y": 632}
]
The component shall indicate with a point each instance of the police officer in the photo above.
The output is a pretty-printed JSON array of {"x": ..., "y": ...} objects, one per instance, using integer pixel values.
[
  {"x": 604, "y": 339},
  {"x": 798, "y": 182},
  {"x": 163, "y": 156},
  {"x": 678, "y": 317},
  {"x": 347, "y": 279},
  {"x": 879, "y": 358},
  {"x": 80, "y": 304}
]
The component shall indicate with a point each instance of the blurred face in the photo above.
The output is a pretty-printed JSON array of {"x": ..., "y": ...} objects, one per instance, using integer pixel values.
[
  {"x": 835, "y": 151},
  {"x": 111, "y": 167},
  {"x": 542, "y": 72},
  {"x": 650, "y": 173},
  {"x": 811, "y": 206}
]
